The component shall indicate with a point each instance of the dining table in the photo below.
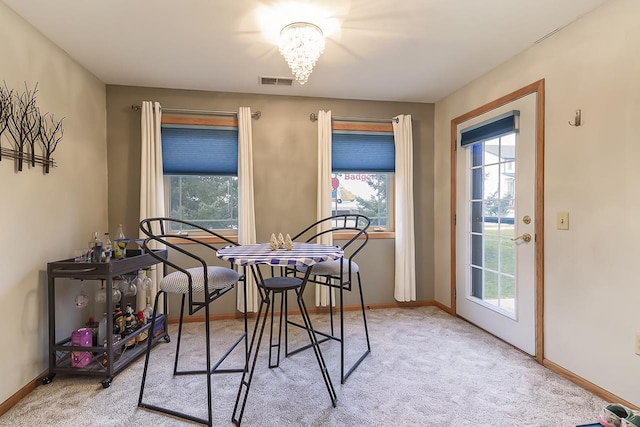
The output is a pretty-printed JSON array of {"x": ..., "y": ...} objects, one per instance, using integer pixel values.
[{"x": 301, "y": 257}]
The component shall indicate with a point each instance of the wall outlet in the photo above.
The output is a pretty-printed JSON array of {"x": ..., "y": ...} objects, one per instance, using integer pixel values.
[{"x": 638, "y": 343}]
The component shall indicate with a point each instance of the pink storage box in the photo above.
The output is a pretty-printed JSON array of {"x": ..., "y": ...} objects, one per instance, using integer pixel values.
[{"x": 81, "y": 337}]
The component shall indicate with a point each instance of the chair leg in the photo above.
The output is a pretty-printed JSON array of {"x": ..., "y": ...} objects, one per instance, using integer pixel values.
[
  {"x": 175, "y": 363},
  {"x": 316, "y": 347},
  {"x": 149, "y": 343},
  {"x": 207, "y": 328},
  {"x": 366, "y": 333},
  {"x": 271, "y": 344},
  {"x": 254, "y": 347},
  {"x": 331, "y": 304}
]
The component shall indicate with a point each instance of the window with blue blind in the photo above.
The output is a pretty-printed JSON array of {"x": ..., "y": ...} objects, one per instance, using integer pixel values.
[
  {"x": 199, "y": 150},
  {"x": 200, "y": 165},
  {"x": 363, "y": 164}
]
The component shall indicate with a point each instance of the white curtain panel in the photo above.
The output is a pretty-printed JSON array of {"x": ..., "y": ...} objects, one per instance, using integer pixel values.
[
  {"x": 246, "y": 210},
  {"x": 151, "y": 183},
  {"x": 324, "y": 192},
  {"x": 405, "y": 272}
]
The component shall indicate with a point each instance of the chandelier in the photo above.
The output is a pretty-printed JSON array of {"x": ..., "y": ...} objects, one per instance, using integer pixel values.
[{"x": 301, "y": 44}]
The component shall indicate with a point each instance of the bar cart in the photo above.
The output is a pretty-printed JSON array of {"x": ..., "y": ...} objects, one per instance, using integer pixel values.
[{"x": 104, "y": 361}]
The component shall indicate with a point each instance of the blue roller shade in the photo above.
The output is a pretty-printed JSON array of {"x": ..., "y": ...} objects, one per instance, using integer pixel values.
[
  {"x": 492, "y": 128},
  {"x": 199, "y": 150},
  {"x": 362, "y": 152}
]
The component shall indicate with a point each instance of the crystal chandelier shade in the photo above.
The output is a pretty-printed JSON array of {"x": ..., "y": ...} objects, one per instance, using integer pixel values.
[{"x": 301, "y": 44}]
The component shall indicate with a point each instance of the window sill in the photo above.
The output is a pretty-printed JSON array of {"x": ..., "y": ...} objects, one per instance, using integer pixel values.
[
  {"x": 204, "y": 239},
  {"x": 372, "y": 235}
]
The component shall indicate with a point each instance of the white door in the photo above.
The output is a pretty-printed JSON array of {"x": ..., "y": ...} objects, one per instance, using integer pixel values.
[{"x": 495, "y": 228}]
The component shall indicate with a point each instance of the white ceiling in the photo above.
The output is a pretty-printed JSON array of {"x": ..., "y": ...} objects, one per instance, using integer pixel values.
[{"x": 403, "y": 50}]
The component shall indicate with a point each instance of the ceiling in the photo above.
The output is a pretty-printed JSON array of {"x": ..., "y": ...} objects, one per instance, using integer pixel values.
[{"x": 409, "y": 50}]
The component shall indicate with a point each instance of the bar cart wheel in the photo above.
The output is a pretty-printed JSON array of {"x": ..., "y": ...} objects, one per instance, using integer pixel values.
[
  {"x": 106, "y": 382},
  {"x": 47, "y": 379},
  {"x": 167, "y": 339}
]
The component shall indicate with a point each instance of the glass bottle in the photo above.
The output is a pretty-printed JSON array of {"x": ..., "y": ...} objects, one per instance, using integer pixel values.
[
  {"x": 118, "y": 320},
  {"x": 106, "y": 248},
  {"x": 102, "y": 329},
  {"x": 148, "y": 312},
  {"x": 105, "y": 356},
  {"x": 120, "y": 244},
  {"x": 96, "y": 248}
]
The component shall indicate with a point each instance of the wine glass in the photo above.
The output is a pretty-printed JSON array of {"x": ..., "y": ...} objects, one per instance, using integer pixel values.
[
  {"x": 147, "y": 283},
  {"x": 82, "y": 299},
  {"x": 101, "y": 295},
  {"x": 116, "y": 295},
  {"x": 136, "y": 284}
]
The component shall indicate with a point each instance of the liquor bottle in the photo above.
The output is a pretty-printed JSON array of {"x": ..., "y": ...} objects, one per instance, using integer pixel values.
[
  {"x": 118, "y": 320},
  {"x": 106, "y": 248},
  {"x": 105, "y": 356},
  {"x": 120, "y": 244},
  {"x": 96, "y": 248},
  {"x": 129, "y": 327},
  {"x": 148, "y": 312},
  {"x": 144, "y": 334},
  {"x": 93, "y": 325},
  {"x": 102, "y": 329}
]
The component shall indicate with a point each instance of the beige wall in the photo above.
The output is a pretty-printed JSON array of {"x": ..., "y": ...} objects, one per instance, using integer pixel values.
[
  {"x": 45, "y": 217},
  {"x": 592, "y": 295},
  {"x": 285, "y": 171}
]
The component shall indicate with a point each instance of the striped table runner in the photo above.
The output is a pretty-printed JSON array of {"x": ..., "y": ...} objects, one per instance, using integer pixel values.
[{"x": 302, "y": 255}]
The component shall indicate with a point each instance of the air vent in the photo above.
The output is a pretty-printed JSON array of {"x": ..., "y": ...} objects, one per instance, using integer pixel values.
[{"x": 276, "y": 81}]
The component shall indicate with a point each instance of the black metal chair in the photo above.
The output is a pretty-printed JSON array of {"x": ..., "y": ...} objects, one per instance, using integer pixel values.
[
  {"x": 338, "y": 274},
  {"x": 202, "y": 285}
]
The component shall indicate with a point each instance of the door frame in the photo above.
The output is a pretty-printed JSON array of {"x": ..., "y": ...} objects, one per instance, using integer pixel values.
[{"x": 533, "y": 88}]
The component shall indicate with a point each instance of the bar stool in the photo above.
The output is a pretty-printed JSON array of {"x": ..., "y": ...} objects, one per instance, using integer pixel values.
[
  {"x": 337, "y": 274},
  {"x": 202, "y": 285}
]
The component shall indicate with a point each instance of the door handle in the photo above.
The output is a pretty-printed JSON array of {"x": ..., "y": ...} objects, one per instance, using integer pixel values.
[{"x": 525, "y": 237}]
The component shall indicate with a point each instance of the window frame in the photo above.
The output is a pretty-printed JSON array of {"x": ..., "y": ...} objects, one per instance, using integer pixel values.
[
  {"x": 232, "y": 234},
  {"x": 374, "y": 232}
]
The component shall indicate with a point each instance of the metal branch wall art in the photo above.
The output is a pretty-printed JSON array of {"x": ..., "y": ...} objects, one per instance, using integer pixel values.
[{"x": 32, "y": 136}]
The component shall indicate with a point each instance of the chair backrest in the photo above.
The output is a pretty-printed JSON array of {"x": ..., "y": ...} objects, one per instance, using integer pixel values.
[
  {"x": 354, "y": 224},
  {"x": 159, "y": 231}
]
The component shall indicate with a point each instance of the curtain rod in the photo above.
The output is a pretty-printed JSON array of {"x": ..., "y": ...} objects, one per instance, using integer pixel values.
[
  {"x": 313, "y": 117},
  {"x": 255, "y": 115}
]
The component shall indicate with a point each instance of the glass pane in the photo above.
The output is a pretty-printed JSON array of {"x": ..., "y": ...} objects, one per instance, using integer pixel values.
[
  {"x": 508, "y": 147},
  {"x": 492, "y": 151},
  {"x": 491, "y": 287},
  {"x": 476, "y": 282},
  {"x": 491, "y": 182},
  {"x": 491, "y": 252},
  {"x": 209, "y": 201},
  {"x": 477, "y": 154},
  {"x": 476, "y": 217},
  {"x": 507, "y": 256},
  {"x": 507, "y": 293},
  {"x": 477, "y": 183},
  {"x": 362, "y": 193},
  {"x": 476, "y": 250}
]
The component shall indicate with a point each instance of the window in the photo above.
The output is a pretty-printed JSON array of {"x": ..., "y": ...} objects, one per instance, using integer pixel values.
[
  {"x": 362, "y": 164},
  {"x": 200, "y": 165}
]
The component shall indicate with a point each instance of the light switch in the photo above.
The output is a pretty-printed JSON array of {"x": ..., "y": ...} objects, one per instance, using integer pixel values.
[{"x": 563, "y": 220}]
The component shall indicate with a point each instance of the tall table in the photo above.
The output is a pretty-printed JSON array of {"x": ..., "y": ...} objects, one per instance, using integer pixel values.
[{"x": 302, "y": 255}]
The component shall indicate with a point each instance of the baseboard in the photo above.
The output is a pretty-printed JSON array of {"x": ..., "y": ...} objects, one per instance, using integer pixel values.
[
  {"x": 587, "y": 385},
  {"x": 23, "y": 392}
]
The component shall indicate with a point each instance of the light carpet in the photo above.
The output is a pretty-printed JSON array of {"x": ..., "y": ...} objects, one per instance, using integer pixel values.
[{"x": 426, "y": 368}]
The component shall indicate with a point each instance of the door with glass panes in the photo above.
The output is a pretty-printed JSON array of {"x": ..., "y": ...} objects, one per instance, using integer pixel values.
[{"x": 495, "y": 223}]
